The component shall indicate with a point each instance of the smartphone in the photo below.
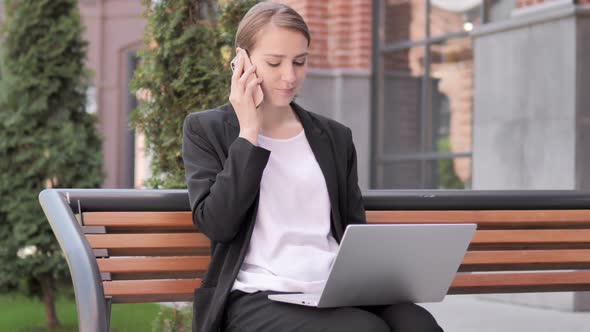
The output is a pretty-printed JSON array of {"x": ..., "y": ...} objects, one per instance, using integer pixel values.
[{"x": 258, "y": 95}]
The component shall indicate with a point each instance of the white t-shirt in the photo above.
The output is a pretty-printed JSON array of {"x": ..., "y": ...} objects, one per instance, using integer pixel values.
[{"x": 292, "y": 248}]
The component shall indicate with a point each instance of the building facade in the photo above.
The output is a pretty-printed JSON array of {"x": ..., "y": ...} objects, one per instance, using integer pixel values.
[
  {"x": 115, "y": 31},
  {"x": 413, "y": 120}
]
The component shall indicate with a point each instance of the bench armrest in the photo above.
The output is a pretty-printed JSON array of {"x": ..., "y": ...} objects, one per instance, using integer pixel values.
[{"x": 90, "y": 300}]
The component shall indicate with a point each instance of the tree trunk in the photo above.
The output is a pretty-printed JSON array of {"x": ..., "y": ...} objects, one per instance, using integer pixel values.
[{"x": 48, "y": 289}]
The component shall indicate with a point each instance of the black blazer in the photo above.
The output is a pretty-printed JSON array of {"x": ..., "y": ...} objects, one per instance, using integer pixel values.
[{"x": 223, "y": 173}]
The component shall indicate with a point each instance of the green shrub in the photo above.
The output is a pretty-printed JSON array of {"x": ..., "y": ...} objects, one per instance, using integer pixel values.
[
  {"x": 47, "y": 139},
  {"x": 176, "y": 318},
  {"x": 447, "y": 178},
  {"x": 184, "y": 69}
]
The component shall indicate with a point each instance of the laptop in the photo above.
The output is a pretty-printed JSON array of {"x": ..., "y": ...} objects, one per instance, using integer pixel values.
[{"x": 388, "y": 264}]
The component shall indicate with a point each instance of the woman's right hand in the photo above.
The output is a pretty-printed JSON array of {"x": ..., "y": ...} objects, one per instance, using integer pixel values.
[{"x": 242, "y": 99}]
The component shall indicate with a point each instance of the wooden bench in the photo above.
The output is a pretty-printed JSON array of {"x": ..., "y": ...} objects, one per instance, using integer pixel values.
[{"x": 130, "y": 246}]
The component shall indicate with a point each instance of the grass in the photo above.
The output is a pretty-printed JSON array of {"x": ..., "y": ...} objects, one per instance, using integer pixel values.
[{"x": 20, "y": 314}]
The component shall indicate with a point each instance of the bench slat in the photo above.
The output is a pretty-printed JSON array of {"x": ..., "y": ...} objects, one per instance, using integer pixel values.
[
  {"x": 153, "y": 264},
  {"x": 540, "y": 239},
  {"x": 172, "y": 290},
  {"x": 516, "y": 260},
  {"x": 520, "y": 282},
  {"x": 141, "y": 252},
  {"x": 184, "y": 297},
  {"x": 485, "y": 218},
  {"x": 473, "y": 261},
  {"x": 155, "y": 275},
  {"x": 162, "y": 290},
  {"x": 489, "y": 218},
  {"x": 147, "y": 241},
  {"x": 139, "y": 219}
]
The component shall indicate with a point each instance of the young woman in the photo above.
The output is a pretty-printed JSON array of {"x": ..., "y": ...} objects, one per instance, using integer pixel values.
[{"x": 274, "y": 187}]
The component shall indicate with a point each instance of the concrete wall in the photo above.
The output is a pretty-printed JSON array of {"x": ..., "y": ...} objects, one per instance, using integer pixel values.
[
  {"x": 532, "y": 113},
  {"x": 582, "y": 300},
  {"x": 583, "y": 100},
  {"x": 343, "y": 95},
  {"x": 524, "y": 101}
]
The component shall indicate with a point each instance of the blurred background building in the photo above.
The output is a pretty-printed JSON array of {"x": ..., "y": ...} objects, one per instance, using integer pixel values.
[
  {"x": 115, "y": 31},
  {"x": 445, "y": 94},
  {"x": 482, "y": 94}
]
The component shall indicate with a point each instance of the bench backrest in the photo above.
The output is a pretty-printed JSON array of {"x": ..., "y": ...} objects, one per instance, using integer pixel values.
[
  {"x": 515, "y": 250},
  {"x": 147, "y": 256},
  {"x": 140, "y": 245},
  {"x": 159, "y": 256}
]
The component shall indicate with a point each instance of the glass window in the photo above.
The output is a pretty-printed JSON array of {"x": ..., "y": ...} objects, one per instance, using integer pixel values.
[
  {"x": 452, "y": 16},
  {"x": 451, "y": 68},
  {"x": 400, "y": 126},
  {"x": 452, "y": 173},
  {"x": 424, "y": 94},
  {"x": 435, "y": 173},
  {"x": 404, "y": 20}
]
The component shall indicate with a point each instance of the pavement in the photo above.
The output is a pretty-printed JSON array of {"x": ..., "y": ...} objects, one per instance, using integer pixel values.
[{"x": 462, "y": 313}]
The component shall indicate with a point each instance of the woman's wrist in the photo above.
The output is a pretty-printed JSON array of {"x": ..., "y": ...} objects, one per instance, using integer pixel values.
[{"x": 250, "y": 134}]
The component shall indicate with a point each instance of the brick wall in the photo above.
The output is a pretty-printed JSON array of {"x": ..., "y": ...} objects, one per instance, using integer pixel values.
[
  {"x": 340, "y": 32},
  {"x": 527, "y": 3}
]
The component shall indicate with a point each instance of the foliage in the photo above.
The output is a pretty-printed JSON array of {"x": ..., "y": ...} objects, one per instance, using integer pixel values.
[
  {"x": 47, "y": 139},
  {"x": 447, "y": 178},
  {"x": 184, "y": 69},
  {"x": 176, "y": 318}
]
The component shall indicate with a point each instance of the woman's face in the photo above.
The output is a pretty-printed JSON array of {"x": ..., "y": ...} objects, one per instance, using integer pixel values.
[{"x": 280, "y": 56}]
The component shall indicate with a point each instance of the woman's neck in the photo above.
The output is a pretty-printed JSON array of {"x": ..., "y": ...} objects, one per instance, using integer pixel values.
[
  {"x": 276, "y": 117},
  {"x": 280, "y": 122}
]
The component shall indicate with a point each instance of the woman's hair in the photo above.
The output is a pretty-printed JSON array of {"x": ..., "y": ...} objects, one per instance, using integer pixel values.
[{"x": 263, "y": 13}]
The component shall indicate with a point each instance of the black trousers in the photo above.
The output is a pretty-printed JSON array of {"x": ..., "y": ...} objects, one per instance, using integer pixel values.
[{"x": 256, "y": 313}]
